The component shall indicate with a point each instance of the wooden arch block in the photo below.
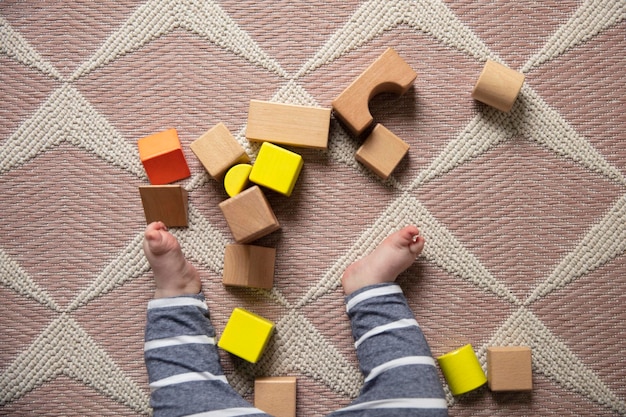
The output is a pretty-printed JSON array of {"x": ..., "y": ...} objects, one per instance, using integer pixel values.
[
  {"x": 162, "y": 157},
  {"x": 498, "y": 86},
  {"x": 382, "y": 151},
  {"x": 389, "y": 73},
  {"x": 218, "y": 150},
  {"x": 249, "y": 215},
  {"x": 249, "y": 266}
]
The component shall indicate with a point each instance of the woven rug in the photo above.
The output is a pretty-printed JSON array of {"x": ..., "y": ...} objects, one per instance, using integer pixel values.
[{"x": 524, "y": 212}]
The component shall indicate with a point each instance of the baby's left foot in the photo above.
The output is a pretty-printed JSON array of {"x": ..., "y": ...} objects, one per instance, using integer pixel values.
[{"x": 173, "y": 274}]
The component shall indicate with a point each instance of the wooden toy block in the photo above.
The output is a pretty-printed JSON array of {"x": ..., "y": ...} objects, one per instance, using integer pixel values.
[
  {"x": 509, "y": 368},
  {"x": 249, "y": 215},
  {"x": 218, "y": 150},
  {"x": 276, "y": 395},
  {"x": 382, "y": 151},
  {"x": 276, "y": 168},
  {"x": 236, "y": 179},
  {"x": 498, "y": 86},
  {"x": 166, "y": 203},
  {"x": 162, "y": 157},
  {"x": 389, "y": 73},
  {"x": 249, "y": 266},
  {"x": 462, "y": 370},
  {"x": 288, "y": 124},
  {"x": 246, "y": 335}
]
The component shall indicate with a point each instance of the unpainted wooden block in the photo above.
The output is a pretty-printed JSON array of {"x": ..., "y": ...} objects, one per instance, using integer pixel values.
[
  {"x": 237, "y": 179},
  {"x": 498, "y": 86},
  {"x": 218, "y": 150},
  {"x": 166, "y": 203},
  {"x": 276, "y": 395},
  {"x": 288, "y": 124},
  {"x": 382, "y": 151},
  {"x": 246, "y": 335},
  {"x": 389, "y": 73},
  {"x": 509, "y": 368},
  {"x": 249, "y": 215},
  {"x": 276, "y": 168},
  {"x": 162, "y": 157},
  {"x": 249, "y": 266}
]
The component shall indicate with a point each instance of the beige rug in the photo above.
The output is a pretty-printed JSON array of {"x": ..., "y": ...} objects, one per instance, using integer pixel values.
[{"x": 524, "y": 213}]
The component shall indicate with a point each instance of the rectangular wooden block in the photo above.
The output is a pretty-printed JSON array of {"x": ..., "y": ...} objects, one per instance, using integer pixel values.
[
  {"x": 276, "y": 395},
  {"x": 166, "y": 203},
  {"x": 249, "y": 266},
  {"x": 218, "y": 150},
  {"x": 249, "y": 215},
  {"x": 162, "y": 157},
  {"x": 288, "y": 124},
  {"x": 509, "y": 368},
  {"x": 382, "y": 151},
  {"x": 246, "y": 335}
]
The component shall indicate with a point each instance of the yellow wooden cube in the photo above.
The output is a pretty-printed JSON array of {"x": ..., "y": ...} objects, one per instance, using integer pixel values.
[
  {"x": 276, "y": 168},
  {"x": 246, "y": 335}
]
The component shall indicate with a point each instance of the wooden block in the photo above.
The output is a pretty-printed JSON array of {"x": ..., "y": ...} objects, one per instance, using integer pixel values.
[
  {"x": 276, "y": 395},
  {"x": 276, "y": 168},
  {"x": 249, "y": 215},
  {"x": 246, "y": 335},
  {"x": 498, "y": 86},
  {"x": 166, "y": 203},
  {"x": 218, "y": 150},
  {"x": 162, "y": 157},
  {"x": 389, "y": 73},
  {"x": 382, "y": 151},
  {"x": 236, "y": 179},
  {"x": 249, "y": 266},
  {"x": 509, "y": 368},
  {"x": 288, "y": 124},
  {"x": 462, "y": 370}
]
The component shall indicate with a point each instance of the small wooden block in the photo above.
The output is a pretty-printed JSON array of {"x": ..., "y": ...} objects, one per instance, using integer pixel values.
[
  {"x": 166, "y": 203},
  {"x": 162, "y": 157},
  {"x": 288, "y": 124},
  {"x": 249, "y": 215},
  {"x": 382, "y": 151},
  {"x": 462, "y": 370},
  {"x": 509, "y": 368},
  {"x": 218, "y": 150},
  {"x": 249, "y": 266},
  {"x": 389, "y": 73},
  {"x": 246, "y": 335},
  {"x": 236, "y": 179},
  {"x": 498, "y": 86},
  {"x": 276, "y": 168},
  {"x": 276, "y": 395}
]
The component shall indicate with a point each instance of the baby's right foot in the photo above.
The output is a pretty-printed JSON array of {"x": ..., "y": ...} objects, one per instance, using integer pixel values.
[
  {"x": 173, "y": 274},
  {"x": 394, "y": 255}
]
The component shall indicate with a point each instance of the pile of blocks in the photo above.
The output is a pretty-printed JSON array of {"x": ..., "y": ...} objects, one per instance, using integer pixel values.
[{"x": 249, "y": 215}]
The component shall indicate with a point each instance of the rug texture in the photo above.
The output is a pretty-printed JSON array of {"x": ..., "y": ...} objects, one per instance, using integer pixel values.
[{"x": 524, "y": 212}]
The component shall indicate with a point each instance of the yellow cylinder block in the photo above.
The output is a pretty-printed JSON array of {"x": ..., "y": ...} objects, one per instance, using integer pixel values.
[
  {"x": 462, "y": 370},
  {"x": 236, "y": 179}
]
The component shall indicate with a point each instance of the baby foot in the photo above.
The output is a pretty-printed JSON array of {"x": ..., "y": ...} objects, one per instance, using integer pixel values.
[
  {"x": 173, "y": 274},
  {"x": 394, "y": 255}
]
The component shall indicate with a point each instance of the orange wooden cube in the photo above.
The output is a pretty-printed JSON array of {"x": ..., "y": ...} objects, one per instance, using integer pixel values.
[
  {"x": 162, "y": 157},
  {"x": 276, "y": 395},
  {"x": 249, "y": 266}
]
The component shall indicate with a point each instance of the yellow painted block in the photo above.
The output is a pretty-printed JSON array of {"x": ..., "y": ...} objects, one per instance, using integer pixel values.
[
  {"x": 236, "y": 179},
  {"x": 462, "y": 370},
  {"x": 276, "y": 168},
  {"x": 246, "y": 335}
]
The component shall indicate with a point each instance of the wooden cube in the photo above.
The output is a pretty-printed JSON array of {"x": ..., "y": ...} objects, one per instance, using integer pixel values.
[
  {"x": 249, "y": 215},
  {"x": 276, "y": 395},
  {"x": 509, "y": 368},
  {"x": 288, "y": 124},
  {"x": 162, "y": 157},
  {"x": 498, "y": 86},
  {"x": 218, "y": 150},
  {"x": 249, "y": 266},
  {"x": 389, "y": 73},
  {"x": 166, "y": 203},
  {"x": 276, "y": 168},
  {"x": 236, "y": 179},
  {"x": 382, "y": 151},
  {"x": 246, "y": 335}
]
